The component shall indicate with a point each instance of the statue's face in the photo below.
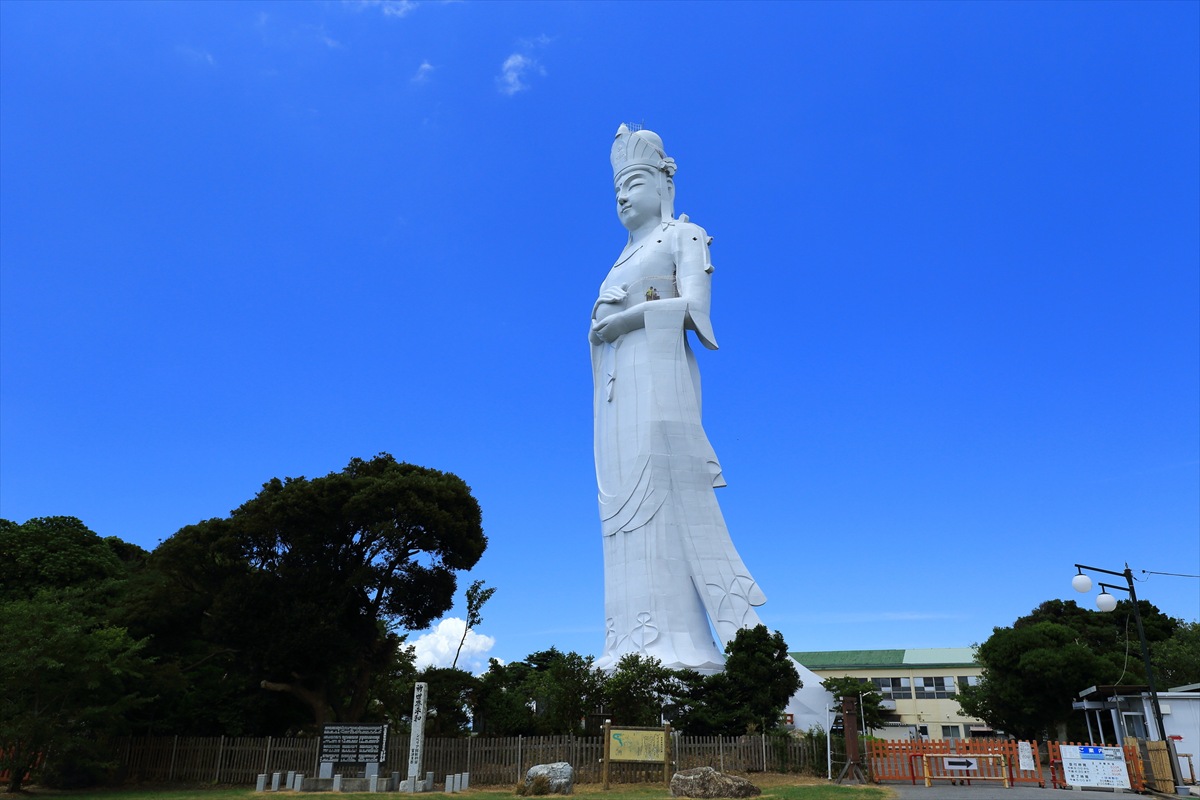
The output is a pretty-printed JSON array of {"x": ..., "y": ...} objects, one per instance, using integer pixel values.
[{"x": 637, "y": 199}]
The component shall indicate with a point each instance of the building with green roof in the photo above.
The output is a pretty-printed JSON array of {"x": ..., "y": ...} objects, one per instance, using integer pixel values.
[{"x": 919, "y": 687}]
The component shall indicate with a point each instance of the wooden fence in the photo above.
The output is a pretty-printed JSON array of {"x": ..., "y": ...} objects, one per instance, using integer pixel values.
[
  {"x": 1157, "y": 756},
  {"x": 490, "y": 761}
]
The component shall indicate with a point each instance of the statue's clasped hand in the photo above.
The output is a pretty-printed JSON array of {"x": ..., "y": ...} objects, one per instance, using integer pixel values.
[
  {"x": 613, "y": 294},
  {"x": 604, "y": 315}
]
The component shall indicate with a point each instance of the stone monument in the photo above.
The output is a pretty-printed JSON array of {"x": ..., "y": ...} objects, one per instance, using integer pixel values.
[{"x": 670, "y": 567}]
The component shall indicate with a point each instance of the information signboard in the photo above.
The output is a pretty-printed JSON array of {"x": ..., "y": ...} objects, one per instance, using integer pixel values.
[
  {"x": 1025, "y": 757},
  {"x": 1089, "y": 766},
  {"x": 645, "y": 745},
  {"x": 353, "y": 744},
  {"x": 637, "y": 745}
]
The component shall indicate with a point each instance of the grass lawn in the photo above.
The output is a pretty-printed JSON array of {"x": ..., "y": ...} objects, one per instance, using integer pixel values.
[{"x": 775, "y": 787}]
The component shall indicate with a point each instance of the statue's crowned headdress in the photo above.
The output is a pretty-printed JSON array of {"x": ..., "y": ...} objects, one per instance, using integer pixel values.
[{"x": 642, "y": 149}]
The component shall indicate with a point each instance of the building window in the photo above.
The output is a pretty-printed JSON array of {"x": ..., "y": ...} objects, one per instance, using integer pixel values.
[
  {"x": 893, "y": 688},
  {"x": 968, "y": 680},
  {"x": 951, "y": 732},
  {"x": 935, "y": 688}
]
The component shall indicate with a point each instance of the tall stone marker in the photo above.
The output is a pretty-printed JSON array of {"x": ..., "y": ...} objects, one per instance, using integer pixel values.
[{"x": 416, "y": 745}]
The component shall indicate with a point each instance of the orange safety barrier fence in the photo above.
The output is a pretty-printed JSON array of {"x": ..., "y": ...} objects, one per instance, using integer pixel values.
[
  {"x": 6, "y": 774},
  {"x": 900, "y": 760}
]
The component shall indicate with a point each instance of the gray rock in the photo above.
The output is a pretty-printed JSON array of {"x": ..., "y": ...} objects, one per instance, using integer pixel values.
[
  {"x": 707, "y": 782},
  {"x": 560, "y": 774}
]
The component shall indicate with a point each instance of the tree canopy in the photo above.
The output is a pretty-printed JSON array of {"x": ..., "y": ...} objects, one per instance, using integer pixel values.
[
  {"x": 1033, "y": 670},
  {"x": 306, "y": 588},
  {"x": 1176, "y": 660},
  {"x": 548, "y": 693},
  {"x": 750, "y": 695},
  {"x": 637, "y": 690},
  {"x": 69, "y": 674}
]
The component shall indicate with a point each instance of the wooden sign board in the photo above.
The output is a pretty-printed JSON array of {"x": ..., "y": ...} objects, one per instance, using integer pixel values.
[
  {"x": 634, "y": 744},
  {"x": 638, "y": 745}
]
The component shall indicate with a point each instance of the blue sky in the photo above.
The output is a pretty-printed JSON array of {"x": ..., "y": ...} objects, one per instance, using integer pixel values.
[{"x": 957, "y": 282}]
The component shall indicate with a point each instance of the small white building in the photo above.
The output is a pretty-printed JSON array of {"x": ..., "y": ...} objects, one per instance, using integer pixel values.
[{"x": 1114, "y": 712}]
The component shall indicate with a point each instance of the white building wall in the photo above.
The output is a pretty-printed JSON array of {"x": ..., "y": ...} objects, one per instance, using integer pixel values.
[{"x": 1181, "y": 717}]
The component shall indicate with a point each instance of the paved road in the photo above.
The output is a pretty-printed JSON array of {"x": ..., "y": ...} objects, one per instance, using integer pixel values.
[{"x": 991, "y": 791}]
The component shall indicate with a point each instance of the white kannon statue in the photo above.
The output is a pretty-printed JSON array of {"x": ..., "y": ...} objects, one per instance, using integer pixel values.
[{"x": 670, "y": 568}]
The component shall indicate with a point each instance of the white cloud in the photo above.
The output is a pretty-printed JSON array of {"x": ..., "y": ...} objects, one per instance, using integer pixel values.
[
  {"x": 536, "y": 41},
  {"x": 512, "y": 73},
  {"x": 397, "y": 8},
  {"x": 423, "y": 72},
  {"x": 390, "y": 8},
  {"x": 436, "y": 648},
  {"x": 326, "y": 39},
  {"x": 196, "y": 55},
  {"x": 516, "y": 68}
]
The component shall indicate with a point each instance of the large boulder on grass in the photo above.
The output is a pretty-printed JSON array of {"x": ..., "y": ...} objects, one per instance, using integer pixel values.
[
  {"x": 707, "y": 782},
  {"x": 559, "y": 777}
]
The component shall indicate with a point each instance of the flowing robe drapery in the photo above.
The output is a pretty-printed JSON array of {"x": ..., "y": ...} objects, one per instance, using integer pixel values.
[{"x": 670, "y": 567}]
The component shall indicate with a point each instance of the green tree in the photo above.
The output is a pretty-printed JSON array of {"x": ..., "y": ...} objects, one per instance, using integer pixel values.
[
  {"x": 565, "y": 689},
  {"x": 1177, "y": 660},
  {"x": 762, "y": 674},
  {"x": 638, "y": 689},
  {"x": 57, "y": 553},
  {"x": 503, "y": 701},
  {"x": 392, "y": 688},
  {"x": 70, "y": 676},
  {"x": 68, "y": 682},
  {"x": 305, "y": 589},
  {"x": 1033, "y": 670},
  {"x": 450, "y": 696},
  {"x": 549, "y": 693},
  {"x": 867, "y": 699},
  {"x": 477, "y": 595},
  {"x": 749, "y": 695}
]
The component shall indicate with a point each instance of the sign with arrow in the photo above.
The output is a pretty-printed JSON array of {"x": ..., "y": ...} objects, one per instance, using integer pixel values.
[{"x": 962, "y": 763}]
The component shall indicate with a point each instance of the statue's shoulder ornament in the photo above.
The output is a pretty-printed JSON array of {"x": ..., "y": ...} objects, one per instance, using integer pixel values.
[{"x": 691, "y": 242}]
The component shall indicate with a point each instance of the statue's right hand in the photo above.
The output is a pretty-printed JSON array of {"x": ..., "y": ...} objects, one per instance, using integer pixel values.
[{"x": 613, "y": 294}]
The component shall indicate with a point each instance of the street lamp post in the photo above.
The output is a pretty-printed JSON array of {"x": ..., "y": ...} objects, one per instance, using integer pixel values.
[{"x": 1106, "y": 602}]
